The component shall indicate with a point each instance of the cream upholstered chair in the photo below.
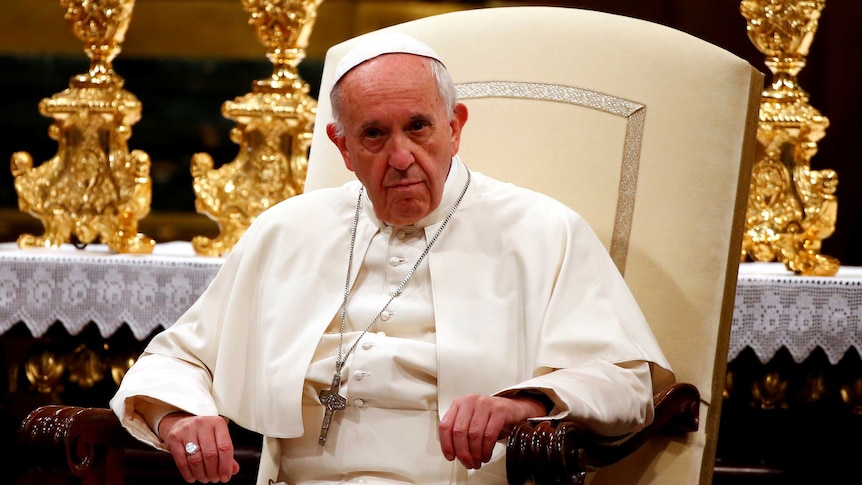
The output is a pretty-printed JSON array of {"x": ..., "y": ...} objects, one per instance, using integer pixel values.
[{"x": 649, "y": 134}]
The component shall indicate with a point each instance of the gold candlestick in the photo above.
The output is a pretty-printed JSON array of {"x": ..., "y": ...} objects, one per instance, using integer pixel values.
[
  {"x": 274, "y": 126},
  {"x": 791, "y": 208},
  {"x": 93, "y": 188}
]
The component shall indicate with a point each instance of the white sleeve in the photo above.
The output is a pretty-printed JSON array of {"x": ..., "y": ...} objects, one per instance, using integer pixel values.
[
  {"x": 609, "y": 399},
  {"x": 157, "y": 385}
]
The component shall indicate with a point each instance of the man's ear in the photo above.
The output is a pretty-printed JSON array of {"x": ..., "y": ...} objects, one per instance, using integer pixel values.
[
  {"x": 340, "y": 142},
  {"x": 457, "y": 124}
]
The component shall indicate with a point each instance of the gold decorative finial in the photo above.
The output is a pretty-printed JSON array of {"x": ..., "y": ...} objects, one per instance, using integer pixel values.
[
  {"x": 770, "y": 391},
  {"x": 851, "y": 394},
  {"x": 93, "y": 188},
  {"x": 791, "y": 208},
  {"x": 274, "y": 126}
]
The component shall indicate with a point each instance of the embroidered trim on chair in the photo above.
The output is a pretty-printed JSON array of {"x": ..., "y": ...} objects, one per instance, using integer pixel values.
[{"x": 635, "y": 114}]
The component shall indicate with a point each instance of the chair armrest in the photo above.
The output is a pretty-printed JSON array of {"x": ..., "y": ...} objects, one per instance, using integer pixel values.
[
  {"x": 87, "y": 442},
  {"x": 90, "y": 443},
  {"x": 561, "y": 452}
]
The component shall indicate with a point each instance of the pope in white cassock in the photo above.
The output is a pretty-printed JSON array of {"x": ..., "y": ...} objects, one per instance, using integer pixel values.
[{"x": 388, "y": 330}]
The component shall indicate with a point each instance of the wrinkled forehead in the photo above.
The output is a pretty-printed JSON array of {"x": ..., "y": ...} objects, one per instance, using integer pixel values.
[{"x": 391, "y": 86}]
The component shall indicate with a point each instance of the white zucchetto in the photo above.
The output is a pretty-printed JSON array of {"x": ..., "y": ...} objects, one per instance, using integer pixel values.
[{"x": 380, "y": 43}]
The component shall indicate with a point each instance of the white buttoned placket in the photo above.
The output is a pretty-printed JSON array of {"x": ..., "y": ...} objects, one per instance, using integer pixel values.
[
  {"x": 393, "y": 368},
  {"x": 404, "y": 333}
]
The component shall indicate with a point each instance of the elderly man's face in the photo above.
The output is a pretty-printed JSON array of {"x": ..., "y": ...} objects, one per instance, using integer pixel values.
[{"x": 398, "y": 137}]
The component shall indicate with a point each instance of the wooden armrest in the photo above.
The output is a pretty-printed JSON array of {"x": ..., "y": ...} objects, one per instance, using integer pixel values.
[
  {"x": 561, "y": 452},
  {"x": 87, "y": 442},
  {"x": 90, "y": 443}
]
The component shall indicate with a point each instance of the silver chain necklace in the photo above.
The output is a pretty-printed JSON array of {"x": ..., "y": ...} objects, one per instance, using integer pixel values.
[{"x": 331, "y": 398}]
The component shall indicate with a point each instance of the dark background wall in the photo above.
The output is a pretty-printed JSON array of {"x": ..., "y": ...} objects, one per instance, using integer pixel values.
[{"x": 182, "y": 96}]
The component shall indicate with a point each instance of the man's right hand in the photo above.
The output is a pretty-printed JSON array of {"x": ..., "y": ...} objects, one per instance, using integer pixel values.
[{"x": 212, "y": 461}]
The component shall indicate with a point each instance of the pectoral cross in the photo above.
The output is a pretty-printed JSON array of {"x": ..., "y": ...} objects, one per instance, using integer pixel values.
[{"x": 333, "y": 402}]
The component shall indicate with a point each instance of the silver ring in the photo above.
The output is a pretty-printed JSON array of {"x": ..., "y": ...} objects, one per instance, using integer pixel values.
[{"x": 191, "y": 448}]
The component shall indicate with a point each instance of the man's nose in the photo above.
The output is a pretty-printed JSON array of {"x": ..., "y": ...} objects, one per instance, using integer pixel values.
[{"x": 401, "y": 154}]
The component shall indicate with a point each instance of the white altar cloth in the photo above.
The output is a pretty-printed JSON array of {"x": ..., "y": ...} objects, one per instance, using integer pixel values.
[
  {"x": 78, "y": 286},
  {"x": 775, "y": 308}
]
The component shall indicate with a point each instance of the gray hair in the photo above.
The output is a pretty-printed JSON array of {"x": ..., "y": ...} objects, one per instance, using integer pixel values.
[{"x": 445, "y": 86}]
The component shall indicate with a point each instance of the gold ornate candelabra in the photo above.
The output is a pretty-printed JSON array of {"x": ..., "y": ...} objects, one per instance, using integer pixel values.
[
  {"x": 274, "y": 126},
  {"x": 791, "y": 208},
  {"x": 93, "y": 188}
]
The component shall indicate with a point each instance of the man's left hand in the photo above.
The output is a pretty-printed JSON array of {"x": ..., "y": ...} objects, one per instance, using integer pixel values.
[{"x": 473, "y": 424}]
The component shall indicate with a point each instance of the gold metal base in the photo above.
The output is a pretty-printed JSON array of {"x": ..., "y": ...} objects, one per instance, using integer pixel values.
[
  {"x": 274, "y": 126},
  {"x": 791, "y": 208},
  {"x": 93, "y": 188}
]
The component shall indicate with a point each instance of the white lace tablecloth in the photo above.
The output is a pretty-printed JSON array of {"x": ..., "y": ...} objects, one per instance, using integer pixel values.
[
  {"x": 78, "y": 286},
  {"x": 775, "y": 308}
]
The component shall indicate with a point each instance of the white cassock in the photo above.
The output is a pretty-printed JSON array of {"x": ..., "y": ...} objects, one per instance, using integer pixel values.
[{"x": 517, "y": 293}]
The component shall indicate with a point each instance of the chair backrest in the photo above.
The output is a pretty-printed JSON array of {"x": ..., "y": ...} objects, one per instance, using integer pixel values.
[{"x": 648, "y": 133}]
